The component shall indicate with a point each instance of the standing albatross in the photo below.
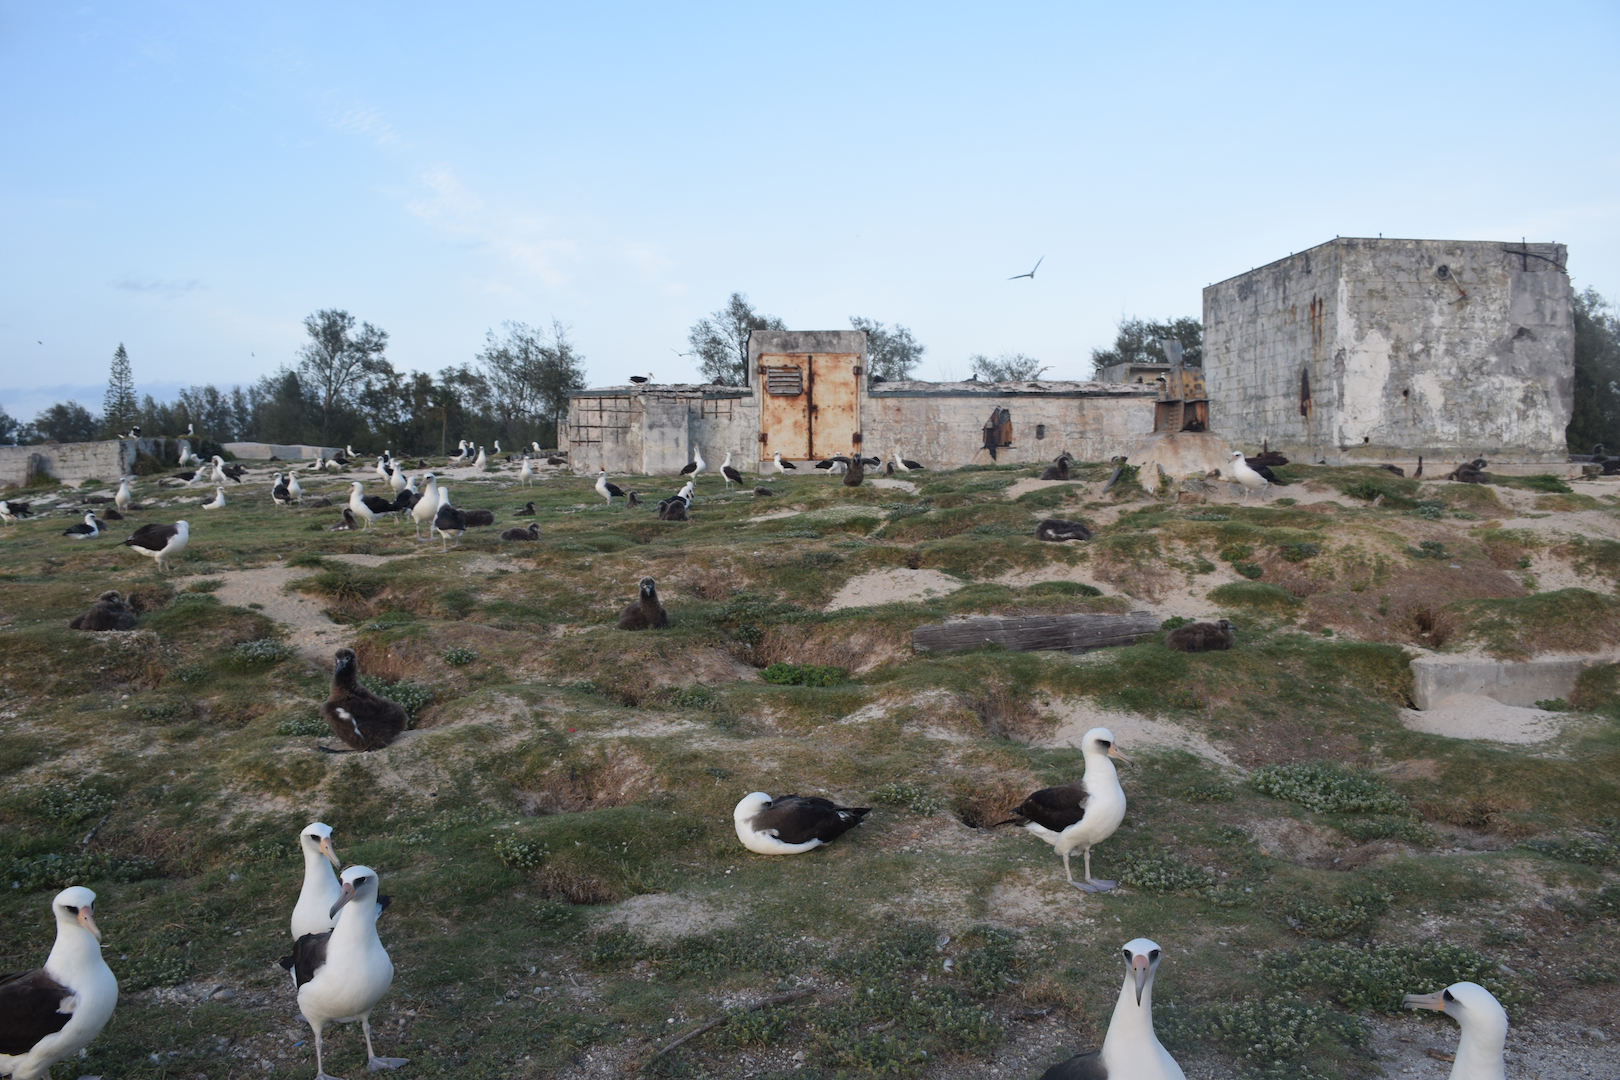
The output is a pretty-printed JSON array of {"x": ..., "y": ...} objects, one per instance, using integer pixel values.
[
  {"x": 53, "y": 1012},
  {"x": 792, "y": 823},
  {"x": 1080, "y": 814},
  {"x": 160, "y": 541},
  {"x": 1484, "y": 1028},
  {"x": 311, "y": 915},
  {"x": 1130, "y": 1050},
  {"x": 343, "y": 973}
]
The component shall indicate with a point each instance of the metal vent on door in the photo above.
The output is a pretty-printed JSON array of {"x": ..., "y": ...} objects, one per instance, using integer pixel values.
[{"x": 784, "y": 381}]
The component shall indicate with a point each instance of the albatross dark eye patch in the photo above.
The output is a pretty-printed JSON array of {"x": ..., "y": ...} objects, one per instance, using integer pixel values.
[
  {"x": 1447, "y": 995},
  {"x": 69, "y": 907}
]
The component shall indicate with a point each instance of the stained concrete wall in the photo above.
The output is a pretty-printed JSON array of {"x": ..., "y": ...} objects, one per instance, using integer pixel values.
[
  {"x": 261, "y": 451},
  {"x": 942, "y": 424},
  {"x": 1521, "y": 683},
  {"x": 1402, "y": 358},
  {"x": 651, "y": 430},
  {"x": 107, "y": 460}
]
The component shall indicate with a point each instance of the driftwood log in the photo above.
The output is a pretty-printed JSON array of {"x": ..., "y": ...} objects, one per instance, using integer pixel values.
[{"x": 1069, "y": 633}]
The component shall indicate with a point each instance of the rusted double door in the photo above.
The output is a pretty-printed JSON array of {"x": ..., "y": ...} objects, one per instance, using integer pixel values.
[{"x": 810, "y": 405}]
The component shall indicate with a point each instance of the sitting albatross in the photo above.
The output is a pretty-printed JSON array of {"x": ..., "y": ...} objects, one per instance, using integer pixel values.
[
  {"x": 343, "y": 973},
  {"x": 53, "y": 1012},
  {"x": 1080, "y": 814},
  {"x": 357, "y": 716},
  {"x": 1484, "y": 1028},
  {"x": 1130, "y": 1050},
  {"x": 792, "y": 823}
]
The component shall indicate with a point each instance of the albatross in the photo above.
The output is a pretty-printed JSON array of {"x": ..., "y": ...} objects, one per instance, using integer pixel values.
[
  {"x": 160, "y": 541},
  {"x": 791, "y": 824},
  {"x": 219, "y": 500},
  {"x": 312, "y": 913},
  {"x": 1130, "y": 1050},
  {"x": 1080, "y": 814},
  {"x": 696, "y": 465},
  {"x": 89, "y": 530},
  {"x": 1484, "y": 1028},
  {"x": 732, "y": 476},
  {"x": 343, "y": 973},
  {"x": 1251, "y": 480},
  {"x": 53, "y": 1012},
  {"x": 360, "y": 718},
  {"x": 606, "y": 490}
]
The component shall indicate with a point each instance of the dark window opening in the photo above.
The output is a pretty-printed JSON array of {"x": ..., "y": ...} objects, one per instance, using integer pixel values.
[
  {"x": 1040, "y": 431},
  {"x": 998, "y": 431}
]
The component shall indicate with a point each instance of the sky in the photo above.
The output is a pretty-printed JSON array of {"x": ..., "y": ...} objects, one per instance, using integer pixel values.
[{"x": 192, "y": 180}]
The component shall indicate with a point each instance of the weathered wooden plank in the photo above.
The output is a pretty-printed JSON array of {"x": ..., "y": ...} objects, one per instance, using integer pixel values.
[{"x": 1069, "y": 633}]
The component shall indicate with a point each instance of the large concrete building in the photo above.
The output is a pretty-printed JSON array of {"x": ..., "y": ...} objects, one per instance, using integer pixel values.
[
  {"x": 809, "y": 397},
  {"x": 1381, "y": 350}
]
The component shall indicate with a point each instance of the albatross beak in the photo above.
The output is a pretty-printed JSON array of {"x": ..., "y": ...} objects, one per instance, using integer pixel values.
[
  {"x": 87, "y": 920},
  {"x": 1113, "y": 752},
  {"x": 1139, "y": 968},
  {"x": 1435, "y": 1001},
  {"x": 343, "y": 898},
  {"x": 326, "y": 849}
]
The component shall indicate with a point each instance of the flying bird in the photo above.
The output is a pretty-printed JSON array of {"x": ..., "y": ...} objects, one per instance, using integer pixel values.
[{"x": 1031, "y": 274}]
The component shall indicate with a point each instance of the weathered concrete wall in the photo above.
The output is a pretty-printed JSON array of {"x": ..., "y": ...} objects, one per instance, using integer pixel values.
[
  {"x": 1521, "y": 683},
  {"x": 650, "y": 431},
  {"x": 942, "y": 424},
  {"x": 260, "y": 451},
  {"x": 69, "y": 462},
  {"x": 1443, "y": 348}
]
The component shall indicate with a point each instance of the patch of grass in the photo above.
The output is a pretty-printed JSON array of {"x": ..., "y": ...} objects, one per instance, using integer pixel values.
[
  {"x": 1299, "y": 550},
  {"x": 1386, "y": 827},
  {"x": 460, "y": 656},
  {"x": 1166, "y": 873},
  {"x": 520, "y": 854},
  {"x": 1254, "y": 595},
  {"x": 72, "y": 804},
  {"x": 262, "y": 651},
  {"x": 55, "y": 871},
  {"x": 410, "y": 696},
  {"x": 1354, "y": 910},
  {"x": 1266, "y": 1032},
  {"x": 1592, "y": 848},
  {"x": 144, "y": 972},
  {"x": 1377, "y": 977},
  {"x": 1326, "y": 788},
  {"x": 803, "y": 675},
  {"x": 907, "y": 796},
  {"x": 1545, "y": 482},
  {"x": 1568, "y": 619},
  {"x": 306, "y": 725}
]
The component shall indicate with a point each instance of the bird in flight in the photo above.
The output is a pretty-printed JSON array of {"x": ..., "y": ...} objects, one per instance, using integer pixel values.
[{"x": 1031, "y": 274}]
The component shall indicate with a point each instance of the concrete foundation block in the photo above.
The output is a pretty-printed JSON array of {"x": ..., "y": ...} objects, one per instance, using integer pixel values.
[{"x": 1512, "y": 682}]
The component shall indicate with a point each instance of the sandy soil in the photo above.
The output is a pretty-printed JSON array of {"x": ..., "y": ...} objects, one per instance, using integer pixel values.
[
  {"x": 1474, "y": 716},
  {"x": 1595, "y": 523},
  {"x": 1029, "y": 483},
  {"x": 892, "y": 586},
  {"x": 667, "y": 916},
  {"x": 313, "y": 634},
  {"x": 1187, "y": 601},
  {"x": 1076, "y": 717},
  {"x": 776, "y": 514},
  {"x": 899, "y": 485}
]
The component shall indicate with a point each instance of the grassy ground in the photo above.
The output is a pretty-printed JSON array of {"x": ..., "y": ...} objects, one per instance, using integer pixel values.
[{"x": 569, "y": 896}]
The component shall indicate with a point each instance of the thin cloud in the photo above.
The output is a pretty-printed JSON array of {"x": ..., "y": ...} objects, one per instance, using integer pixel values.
[
  {"x": 368, "y": 122},
  {"x": 526, "y": 240},
  {"x": 157, "y": 286}
]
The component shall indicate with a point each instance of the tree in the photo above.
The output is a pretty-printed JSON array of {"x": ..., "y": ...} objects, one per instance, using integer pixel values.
[
  {"x": 1138, "y": 342},
  {"x": 720, "y": 342},
  {"x": 529, "y": 373},
  {"x": 337, "y": 361},
  {"x": 891, "y": 351},
  {"x": 8, "y": 427},
  {"x": 119, "y": 410},
  {"x": 1008, "y": 367},
  {"x": 1596, "y": 417},
  {"x": 63, "y": 423}
]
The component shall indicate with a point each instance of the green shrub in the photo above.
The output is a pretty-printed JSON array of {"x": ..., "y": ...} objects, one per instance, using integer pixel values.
[
  {"x": 803, "y": 675},
  {"x": 911, "y": 797},
  {"x": 460, "y": 656},
  {"x": 1593, "y": 850},
  {"x": 1163, "y": 873},
  {"x": 1378, "y": 976},
  {"x": 72, "y": 804},
  {"x": 1254, "y": 594},
  {"x": 412, "y": 697},
  {"x": 1556, "y": 704},
  {"x": 144, "y": 972},
  {"x": 1352, "y": 911},
  {"x": 520, "y": 854},
  {"x": 696, "y": 696},
  {"x": 1174, "y": 621},
  {"x": 1299, "y": 550},
  {"x": 262, "y": 651},
  {"x": 757, "y": 1027},
  {"x": 1209, "y": 517},
  {"x": 1250, "y": 570},
  {"x": 59, "y": 871},
  {"x": 307, "y": 725},
  {"x": 1208, "y": 791},
  {"x": 1268, "y": 1032},
  {"x": 1428, "y": 549},
  {"x": 1386, "y": 827},
  {"x": 1327, "y": 788}
]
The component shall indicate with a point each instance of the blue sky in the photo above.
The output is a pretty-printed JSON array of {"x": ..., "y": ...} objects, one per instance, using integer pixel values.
[{"x": 193, "y": 179}]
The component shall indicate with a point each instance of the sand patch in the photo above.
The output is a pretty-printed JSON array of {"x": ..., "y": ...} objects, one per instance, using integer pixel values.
[
  {"x": 1598, "y": 524},
  {"x": 1036, "y": 898},
  {"x": 1474, "y": 716},
  {"x": 895, "y": 586},
  {"x": 312, "y": 633},
  {"x": 668, "y": 916},
  {"x": 1188, "y": 601},
  {"x": 1076, "y": 717},
  {"x": 899, "y": 485},
  {"x": 775, "y": 515},
  {"x": 1029, "y": 483}
]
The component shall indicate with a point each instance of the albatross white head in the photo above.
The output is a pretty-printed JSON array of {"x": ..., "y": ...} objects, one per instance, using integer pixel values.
[
  {"x": 1484, "y": 1027},
  {"x": 1099, "y": 745},
  {"x": 74, "y": 908},
  {"x": 1131, "y": 1047}
]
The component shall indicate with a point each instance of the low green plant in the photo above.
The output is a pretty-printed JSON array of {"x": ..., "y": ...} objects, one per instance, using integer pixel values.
[
  {"x": 757, "y": 1027},
  {"x": 304, "y": 725},
  {"x": 460, "y": 656},
  {"x": 1376, "y": 977},
  {"x": 1556, "y": 704},
  {"x": 1252, "y": 571},
  {"x": 1353, "y": 911},
  {"x": 410, "y": 696},
  {"x": 1428, "y": 549},
  {"x": 206, "y": 585},
  {"x": 1174, "y": 621},
  {"x": 803, "y": 675},
  {"x": 144, "y": 972},
  {"x": 696, "y": 696},
  {"x": 1591, "y": 849},
  {"x": 918, "y": 800},
  {"x": 262, "y": 651},
  {"x": 1163, "y": 873},
  {"x": 1208, "y": 791},
  {"x": 1386, "y": 827},
  {"x": 1267, "y": 1032},
  {"x": 1209, "y": 516},
  {"x": 521, "y": 854},
  {"x": 55, "y": 871},
  {"x": 72, "y": 804},
  {"x": 1299, "y": 550},
  {"x": 1326, "y": 788}
]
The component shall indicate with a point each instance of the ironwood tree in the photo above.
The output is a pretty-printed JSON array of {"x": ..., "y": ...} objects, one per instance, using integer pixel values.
[
  {"x": 891, "y": 351},
  {"x": 528, "y": 374},
  {"x": 720, "y": 342},
  {"x": 338, "y": 360},
  {"x": 1008, "y": 367},
  {"x": 1596, "y": 417},
  {"x": 119, "y": 409},
  {"x": 1140, "y": 341}
]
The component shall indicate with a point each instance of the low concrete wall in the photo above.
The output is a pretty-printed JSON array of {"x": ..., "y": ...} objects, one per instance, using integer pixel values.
[
  {"x": 260, "y": 451},
  {"x": 69, "y": 462},
  {"x": 1512, "y": 682}
]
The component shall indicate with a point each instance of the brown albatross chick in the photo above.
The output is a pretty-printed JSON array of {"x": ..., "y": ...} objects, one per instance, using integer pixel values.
[
  {"x": 1201, "y": 637},
  {"x": 109, "y": 612},
  {"x": 646, "y": 613},
  {"x": 357, "y": 716}
]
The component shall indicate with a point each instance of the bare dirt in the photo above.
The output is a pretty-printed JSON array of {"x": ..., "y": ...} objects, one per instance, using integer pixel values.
[
  {"x": 891, "y": 587},
  {"x": 1474, "y": 716},
  {"x": 312, "y": 634},
  {"x": 1132, "y": 732}
]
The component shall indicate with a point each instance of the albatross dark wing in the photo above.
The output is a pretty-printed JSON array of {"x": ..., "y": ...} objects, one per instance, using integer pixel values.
[
  {"x": 798, "y": 820},
  {"x": 151, "y": 536},
  {"x": 29, "y": 1001},
  {"x": 1081, "y": 1067},
  {"x": 1055, "y": 808},
  {"x": 308, "y": 957}
]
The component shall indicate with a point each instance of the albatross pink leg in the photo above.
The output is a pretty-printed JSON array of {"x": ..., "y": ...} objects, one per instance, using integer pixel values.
[
  {"x": 1097, "y": 885},
  {"x": 373, "y": 1062},
  {"x": 320, "y": 1070}
]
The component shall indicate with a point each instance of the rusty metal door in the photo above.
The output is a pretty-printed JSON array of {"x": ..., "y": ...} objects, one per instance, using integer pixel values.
[
  {"x": 834, "y": 404},
  {"x": 784, "y": 406}
]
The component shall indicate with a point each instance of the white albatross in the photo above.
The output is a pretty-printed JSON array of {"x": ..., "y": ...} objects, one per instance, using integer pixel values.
[
  {"x": 313, "y": 912},
  {"x": 426, "y": 506},
  {"x": 219, "y": 500},
  {"x": 160, "y": 541},
  {"x": 343, "y": 973},
  {"x": 1251, "y": 480},
  {"x": 357, "y": 503},
  {"x": 792, "y": 823},
  {"x": 696, "y": 465},
  {"x": 1080, "y": 814},
  {"x": 1130, "y": 1050},
  {"x": 1484, "y": 1028},
  {"x": 53, "y": 1012},
  {"x": 123, "y": 498}
]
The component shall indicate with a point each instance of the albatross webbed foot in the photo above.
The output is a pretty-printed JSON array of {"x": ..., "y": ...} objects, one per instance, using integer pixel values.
[
  {"x": 323, "y": 1076},
  {"x": 1099, "y": 885},
  {"x": 376, "y": 1064}
]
